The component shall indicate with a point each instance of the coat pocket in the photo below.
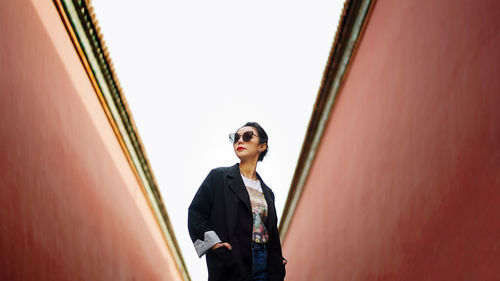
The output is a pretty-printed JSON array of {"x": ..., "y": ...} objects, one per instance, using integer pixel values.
[{"x": 222, "y": 265}]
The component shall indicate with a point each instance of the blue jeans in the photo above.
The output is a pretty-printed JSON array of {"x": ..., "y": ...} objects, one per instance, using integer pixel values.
[{"x": 259, "y": 266}]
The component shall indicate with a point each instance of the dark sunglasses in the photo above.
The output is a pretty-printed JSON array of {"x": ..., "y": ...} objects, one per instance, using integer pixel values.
[{"x": 247, "y": 136}]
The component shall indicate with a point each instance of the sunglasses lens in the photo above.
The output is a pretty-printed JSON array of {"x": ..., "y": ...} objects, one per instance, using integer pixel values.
[
  {"x": 233, "y": 138},
  {"x": 247, "y": 136}
]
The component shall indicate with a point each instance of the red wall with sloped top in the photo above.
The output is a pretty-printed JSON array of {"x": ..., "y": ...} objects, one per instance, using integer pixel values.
[
  {"x": 70, "y": 205},
  {"x": 406, "y": 182}
]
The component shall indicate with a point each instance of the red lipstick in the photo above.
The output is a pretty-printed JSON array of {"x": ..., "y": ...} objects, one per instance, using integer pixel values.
[{"x": 240, "y": 148}]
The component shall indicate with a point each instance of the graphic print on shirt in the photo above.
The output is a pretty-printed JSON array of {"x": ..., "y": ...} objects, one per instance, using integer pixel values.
[{"x": 259, "y": 211}]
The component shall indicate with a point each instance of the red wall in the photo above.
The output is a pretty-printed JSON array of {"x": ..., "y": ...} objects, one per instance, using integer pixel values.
[
  {"x": 70, "y": 206},
  {"x": 406, "y": 183}
]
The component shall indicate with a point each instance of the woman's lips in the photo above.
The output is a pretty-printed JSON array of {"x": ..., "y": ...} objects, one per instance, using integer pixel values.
[{"x": 240, "y": 148}]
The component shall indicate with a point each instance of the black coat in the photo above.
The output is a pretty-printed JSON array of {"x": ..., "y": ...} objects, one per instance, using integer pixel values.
[{"x": 222, "y": 204}]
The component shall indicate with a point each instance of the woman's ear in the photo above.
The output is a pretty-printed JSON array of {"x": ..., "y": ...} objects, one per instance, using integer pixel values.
[{"x": 262, "y": 147}]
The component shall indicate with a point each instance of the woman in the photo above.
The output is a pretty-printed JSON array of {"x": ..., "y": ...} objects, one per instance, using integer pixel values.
[{"x": 232, "y": 219}]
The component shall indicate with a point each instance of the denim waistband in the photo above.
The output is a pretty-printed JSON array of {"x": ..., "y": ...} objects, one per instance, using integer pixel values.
[{"x": 259, "y": 246}]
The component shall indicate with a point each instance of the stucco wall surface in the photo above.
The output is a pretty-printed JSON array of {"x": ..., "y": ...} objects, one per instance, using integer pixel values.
[
  {"x": 70, "y": 205},
  {"x": 406, "y": 182}
]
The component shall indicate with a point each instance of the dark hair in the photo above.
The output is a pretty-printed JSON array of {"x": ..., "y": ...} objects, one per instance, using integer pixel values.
[{"x": 262, "y": 137}]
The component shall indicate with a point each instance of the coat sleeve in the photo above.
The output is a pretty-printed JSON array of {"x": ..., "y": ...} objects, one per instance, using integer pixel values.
[
  {"x": 198, "y": 214},
  {"x": 277, "y": 236},
  {"x": 276, "y": 266}
]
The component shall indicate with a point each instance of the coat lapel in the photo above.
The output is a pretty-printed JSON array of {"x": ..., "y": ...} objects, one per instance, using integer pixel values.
[
  {"x": 271, "y": 212},
  {"x": 236, "y": 184}
]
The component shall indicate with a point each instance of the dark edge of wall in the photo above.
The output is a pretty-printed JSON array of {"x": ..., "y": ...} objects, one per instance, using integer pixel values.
[
  {"x": 143, "y": 171},
  {"x": 349, "y": 32}
]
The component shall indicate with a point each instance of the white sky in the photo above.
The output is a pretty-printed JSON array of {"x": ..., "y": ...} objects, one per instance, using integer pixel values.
[{"x": 195, "y": 71}]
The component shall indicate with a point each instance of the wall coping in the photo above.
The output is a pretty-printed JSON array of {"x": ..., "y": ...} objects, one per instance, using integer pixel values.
[{"x": 81, "y": 24}]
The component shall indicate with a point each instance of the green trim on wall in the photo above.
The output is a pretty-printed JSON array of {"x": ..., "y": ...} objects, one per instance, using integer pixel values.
[
  {"x": 77, "y": 11},
  {"x": 348, "y": 34}
]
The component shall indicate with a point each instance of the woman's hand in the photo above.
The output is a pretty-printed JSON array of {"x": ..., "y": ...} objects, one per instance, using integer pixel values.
[{"x": 223, "y": 244}]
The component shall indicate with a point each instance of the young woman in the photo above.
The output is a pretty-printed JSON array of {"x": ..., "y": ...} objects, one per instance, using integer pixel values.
[{"x": 232, "y": 218}]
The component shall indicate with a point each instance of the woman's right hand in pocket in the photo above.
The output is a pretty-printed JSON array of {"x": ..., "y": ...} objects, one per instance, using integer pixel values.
[{"x": 221, "y": 244}]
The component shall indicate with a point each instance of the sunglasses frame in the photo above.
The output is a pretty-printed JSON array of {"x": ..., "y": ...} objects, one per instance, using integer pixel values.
[{"x": 235, "y": 137}]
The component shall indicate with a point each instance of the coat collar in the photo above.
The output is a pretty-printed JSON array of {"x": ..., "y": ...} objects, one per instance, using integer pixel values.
[
  {"x": 234, "y": 172},
  {"x": 271, "y": 219},
  {"x": 237, "y": 186}
]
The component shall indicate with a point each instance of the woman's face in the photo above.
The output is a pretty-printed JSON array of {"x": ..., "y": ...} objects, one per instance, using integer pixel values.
[{"x": 247, "y": 150}]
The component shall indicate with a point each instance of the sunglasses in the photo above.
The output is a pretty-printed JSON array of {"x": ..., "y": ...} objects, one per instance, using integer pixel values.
[{"x": 246, "y": 137}]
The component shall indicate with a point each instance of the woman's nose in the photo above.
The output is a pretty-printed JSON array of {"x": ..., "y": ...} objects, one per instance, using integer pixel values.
[{"x": 240, "y": 140}]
